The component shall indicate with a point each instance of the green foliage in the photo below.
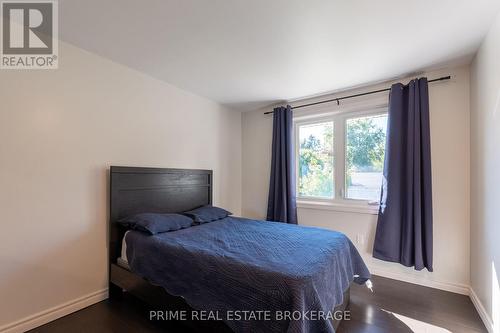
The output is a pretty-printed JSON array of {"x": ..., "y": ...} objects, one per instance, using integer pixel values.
[
  {"x": 316, "y": 165},
  {"x": 365, "y": 145}
]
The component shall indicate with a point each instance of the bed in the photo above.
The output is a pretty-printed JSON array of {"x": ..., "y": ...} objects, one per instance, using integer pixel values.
[{"x": 230, "y": 265}]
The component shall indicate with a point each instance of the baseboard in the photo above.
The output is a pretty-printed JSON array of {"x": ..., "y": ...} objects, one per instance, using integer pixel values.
[
  {"x": 488, "y": 322},
  {"x": 447, "y": 286},
  {"x": 54, "y": 313}
]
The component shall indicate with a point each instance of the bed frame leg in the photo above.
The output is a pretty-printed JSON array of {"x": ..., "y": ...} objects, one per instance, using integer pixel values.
[{"x": 115, "y": 292}]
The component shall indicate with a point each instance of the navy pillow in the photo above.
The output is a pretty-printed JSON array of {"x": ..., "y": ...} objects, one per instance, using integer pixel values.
[
  {"x": 156, "y": 223},
  {"x": 207, "y": 214}
]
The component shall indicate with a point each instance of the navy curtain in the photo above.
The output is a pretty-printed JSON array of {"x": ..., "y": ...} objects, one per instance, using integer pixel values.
[
  {"x": 404, "y": 228},
  {"x": 281, "y": 204}
]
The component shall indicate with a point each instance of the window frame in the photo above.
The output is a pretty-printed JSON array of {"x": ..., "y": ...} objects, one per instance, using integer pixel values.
[{"x": 339, "y": 118}]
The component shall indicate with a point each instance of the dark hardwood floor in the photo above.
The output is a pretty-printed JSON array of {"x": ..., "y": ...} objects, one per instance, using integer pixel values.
[{"x": 394, "y": 306}]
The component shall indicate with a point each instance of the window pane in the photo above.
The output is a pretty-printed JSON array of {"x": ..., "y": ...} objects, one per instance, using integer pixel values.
[
  {"x": 365, "y": 149},
  {"x": 316, "y": 160}
]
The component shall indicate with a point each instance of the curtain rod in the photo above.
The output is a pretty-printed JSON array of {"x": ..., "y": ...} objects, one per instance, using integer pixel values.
[{"x": 356, "y": 95}]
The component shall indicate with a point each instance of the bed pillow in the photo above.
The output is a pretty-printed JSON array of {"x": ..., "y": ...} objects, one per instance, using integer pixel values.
[
  {"x": 156, "y": 223},
  {"x": 207, "y": 214}
]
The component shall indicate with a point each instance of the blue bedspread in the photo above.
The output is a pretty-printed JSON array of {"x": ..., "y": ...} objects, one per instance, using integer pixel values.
[{"x": 237, "y": 264}]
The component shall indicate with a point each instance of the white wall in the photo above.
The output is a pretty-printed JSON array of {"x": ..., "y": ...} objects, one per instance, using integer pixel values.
[
  {"x": 485, "y": 175},
  {"x": 449, "y": 105},
  {"x": 60, "y": 130}
]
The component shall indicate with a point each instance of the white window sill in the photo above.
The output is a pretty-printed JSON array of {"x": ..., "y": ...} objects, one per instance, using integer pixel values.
[{"x": 361, "y": 208}]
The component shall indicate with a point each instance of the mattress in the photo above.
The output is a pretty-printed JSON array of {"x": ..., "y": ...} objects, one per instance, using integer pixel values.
[
  {"x": 122, "y": 260},
  {"x": 237, "y": 264}
]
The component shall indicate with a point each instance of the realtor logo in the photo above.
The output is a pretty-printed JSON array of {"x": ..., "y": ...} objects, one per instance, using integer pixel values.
[{"x": 29, "y": 35}]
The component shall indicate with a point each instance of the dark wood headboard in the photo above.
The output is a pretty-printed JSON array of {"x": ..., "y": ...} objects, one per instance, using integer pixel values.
[{"x": 153, "y": 190}]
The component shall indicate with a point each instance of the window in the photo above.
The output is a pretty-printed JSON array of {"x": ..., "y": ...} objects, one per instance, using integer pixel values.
[
  {"x": 340, "y": 157},
  {"x": 316, "y": 178},
  {"x": 364, "y": 157}
]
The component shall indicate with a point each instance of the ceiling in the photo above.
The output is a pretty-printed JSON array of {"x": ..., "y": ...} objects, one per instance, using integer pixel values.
[{"x": 250, "y": 53}]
